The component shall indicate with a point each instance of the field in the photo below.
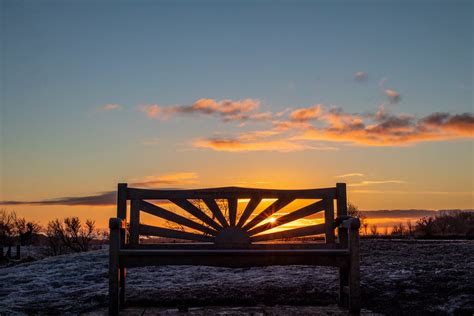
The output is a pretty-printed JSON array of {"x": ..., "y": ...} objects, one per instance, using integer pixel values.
[{"x": 398, "y": 277}]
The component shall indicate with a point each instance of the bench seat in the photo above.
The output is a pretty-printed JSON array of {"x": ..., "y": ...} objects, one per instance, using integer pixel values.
[{"x": 233, "y": 257}]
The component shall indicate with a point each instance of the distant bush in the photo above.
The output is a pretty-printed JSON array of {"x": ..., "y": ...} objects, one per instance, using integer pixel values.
[
  {"x": 17, "y": 230},
  {"x": 70, "y": 235},
  {"x": 448, "y": 223}
]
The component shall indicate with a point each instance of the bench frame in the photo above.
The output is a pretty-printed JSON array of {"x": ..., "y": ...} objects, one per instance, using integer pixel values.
[{"x": 233, "y": 242}]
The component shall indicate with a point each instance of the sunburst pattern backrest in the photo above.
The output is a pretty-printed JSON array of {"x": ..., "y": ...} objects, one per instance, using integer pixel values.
[{"x": 211, "y": 215}]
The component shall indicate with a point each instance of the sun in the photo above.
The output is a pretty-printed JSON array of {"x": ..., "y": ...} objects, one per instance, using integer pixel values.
[{"x": 272, "y": 220}]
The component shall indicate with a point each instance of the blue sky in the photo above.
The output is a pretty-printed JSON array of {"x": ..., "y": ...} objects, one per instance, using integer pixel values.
[{"x": 63, "y": 61}]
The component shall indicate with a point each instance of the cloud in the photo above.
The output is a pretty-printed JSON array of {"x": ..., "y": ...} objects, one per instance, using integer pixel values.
[
  {"x": 100, "y": 199},
  {"x": 110, "y": 107},
  {"x": 375, "y": 182},
  {"x": 347, "y": 175},
  {"x": 385, "y": 129},
  {"x": 361, "y": 76},
  {"x": 302, "y": 128},
  {"x": 462, "y": 124},
  {"x": 305, "y": 126},
  {"x": 228, "y": 110},
  {"x": 392, "y": 95},
  {"x": 177, "y": 178},
  {"x": 306, "y": 114},
  {"x": 240, "y": 144},
  {"x": 109, "y": 198},
  {"x": 151, "y": 110}
]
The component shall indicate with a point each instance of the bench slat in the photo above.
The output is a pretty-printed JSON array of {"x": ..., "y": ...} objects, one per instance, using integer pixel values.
[
  {"x": 234, "y": 258},
  {"x": 216, "y": 210},
  {"x": 173, "y": 217},
  {"x": 251, "y": 205},
  {"x": 301, "y": 213},
  {"x": 171, "y": 233},
  {"x": 230, "y": 192},
  {"x": 232, "y": 210},
  {"x": 254, "y": 246},
  {"x": 271, "y": 209},
  {"x": 196, "y": 212},
  {"x": 290, "y": 233}
]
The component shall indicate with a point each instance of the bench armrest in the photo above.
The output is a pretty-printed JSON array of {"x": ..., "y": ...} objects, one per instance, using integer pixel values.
[
  {"x": 347, "y": 222},
  {"x": 117, "y": 223},
  {"x": 118, "y": 231}
]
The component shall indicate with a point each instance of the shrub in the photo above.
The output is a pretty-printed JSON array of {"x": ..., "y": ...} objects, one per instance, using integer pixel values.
[{"x": 70, "y": 235}]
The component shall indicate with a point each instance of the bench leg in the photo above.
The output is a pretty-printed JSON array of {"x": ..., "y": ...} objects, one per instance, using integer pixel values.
[
  {"x": 123, "y": 274},
  {"x": 343, "y": 287},
  {"x": 114, "y": 268},
  {"x": 113, "y": 291},
  {"x": 354, "y": 272},
  {"x": 354, "y": 290}
]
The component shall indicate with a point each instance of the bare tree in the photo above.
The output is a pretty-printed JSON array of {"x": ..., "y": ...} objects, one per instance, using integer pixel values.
[
  {"x": 353, "y": 210},
  {"x": 6, "y": 228},
  {"x": 15, "y": 229},
  {"x": 25, "y": 231},
  {"x": 373, "y": 230},
  {"x": 398, "y": 229},
  {"x": 365, "y": 225},
  {"x": 410, "y": 228},
  {"x": 71, "y": 234}
]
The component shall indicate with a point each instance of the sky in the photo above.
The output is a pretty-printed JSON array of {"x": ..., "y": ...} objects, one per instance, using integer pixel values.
[{"x": 189, "y": 94}]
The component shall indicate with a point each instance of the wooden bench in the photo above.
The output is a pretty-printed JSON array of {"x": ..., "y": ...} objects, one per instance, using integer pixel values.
[{"x": 223, "y": 236}]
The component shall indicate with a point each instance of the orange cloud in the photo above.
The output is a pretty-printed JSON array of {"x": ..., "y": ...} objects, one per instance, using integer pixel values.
[
  {"x": 383, "y": 129},
  {"x": 301, "y": 128},
  {"x": 347, "y": 175},
  {"x": 240, "y": 144},
  {"x": 374, "y": 182},
  {"x": 229, "y": 110},
  {"x": 306, "y": 114},
  {"x": 334, "y": 125},
  {"x": 177, "y": 178}
]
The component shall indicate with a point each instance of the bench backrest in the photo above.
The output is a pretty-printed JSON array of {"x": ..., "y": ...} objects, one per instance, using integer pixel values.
[{"x": 211, "y": 224}]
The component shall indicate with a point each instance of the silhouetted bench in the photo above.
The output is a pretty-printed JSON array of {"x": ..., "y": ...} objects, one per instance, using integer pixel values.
[{"x": 222, "y": 236}]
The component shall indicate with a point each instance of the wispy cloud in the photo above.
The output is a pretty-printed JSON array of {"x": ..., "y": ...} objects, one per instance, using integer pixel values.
[
  {"x": 412, "y": 192},
  {"x": 347, "y": 175},
  {"x": 306, "y": 114},
  {"x": 375, "y": 182},
  {"x": 109, "y": 197},
  {"x": 393, "y": 95},
  {"x": 239, "y": 145},
  {"x": 228, "y": 110},
  {"x": 110, "y": 107},
  {"x": 361, "y": 76},
  {"x": 99, "y": 199},
  {"x": 177, "y": 179}
]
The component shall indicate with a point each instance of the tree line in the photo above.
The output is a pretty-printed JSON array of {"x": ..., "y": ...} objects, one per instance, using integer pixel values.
[
  {"x": 60, "y": 235},
  {"x": 450, "y": 223}
]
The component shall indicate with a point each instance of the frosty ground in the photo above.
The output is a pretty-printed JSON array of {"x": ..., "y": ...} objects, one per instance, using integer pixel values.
[{"x": 398, "y": 277}]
